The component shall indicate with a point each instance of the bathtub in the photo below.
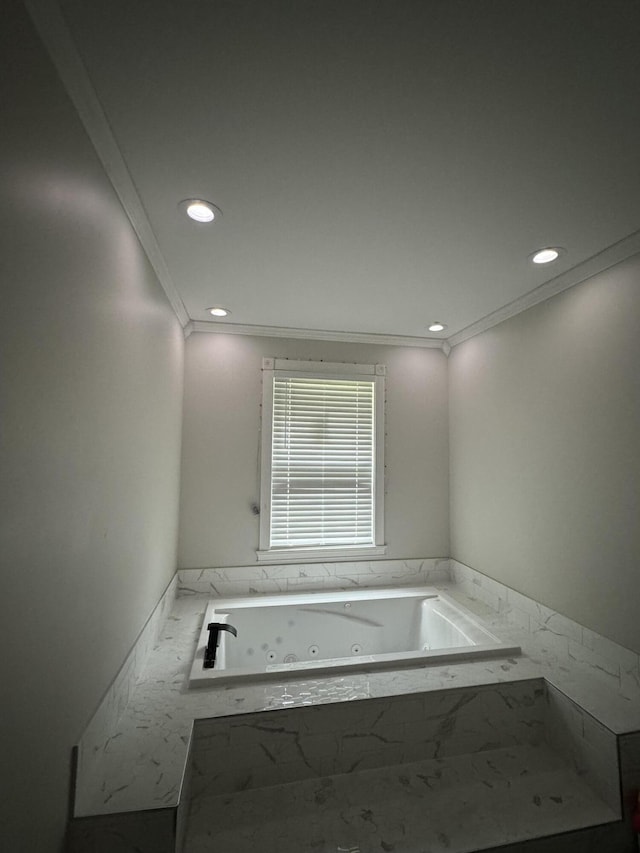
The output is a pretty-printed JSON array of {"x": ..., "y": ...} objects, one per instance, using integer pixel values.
[{"x": 325, "y": 632}]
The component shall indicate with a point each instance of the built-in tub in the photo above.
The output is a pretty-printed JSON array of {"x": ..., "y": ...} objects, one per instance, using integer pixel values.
[{"x": 288, "y": 634}]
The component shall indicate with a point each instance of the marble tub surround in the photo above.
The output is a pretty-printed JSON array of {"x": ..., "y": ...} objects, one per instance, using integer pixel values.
[
  {"x": 103, "y": 725},
  {"x": 300, "y": 577},
  {"x": 454, "y": 804},
  {"x": 588, "y": 687},
  {"x": 141, "y": 765},
  {"x": 458, "y": 770},
  {"x": 254, "y": 750},
  {"x": 567, "y": 640},
  {"x": 587, "y": 746}
]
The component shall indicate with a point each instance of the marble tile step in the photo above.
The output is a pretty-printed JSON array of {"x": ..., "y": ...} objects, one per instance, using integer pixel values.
[{"x": 457, "y": 804}]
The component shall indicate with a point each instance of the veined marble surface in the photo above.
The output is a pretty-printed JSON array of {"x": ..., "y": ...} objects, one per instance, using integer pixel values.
[
  {"x": 569, "y": 641},
  {"x": 141, "y": 765},
  {"x": 444, "y": 805},
  {"x": 587, "y": 746},
  {"x": 139, "y": 762},
  {"x": 104, "y": 723},
  {"x": 300, "y": 577},
  {"x": 253, "y": 750}
]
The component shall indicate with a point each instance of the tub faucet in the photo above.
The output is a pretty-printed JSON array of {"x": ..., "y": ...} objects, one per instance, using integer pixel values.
[{"x": 214, "y": 629}]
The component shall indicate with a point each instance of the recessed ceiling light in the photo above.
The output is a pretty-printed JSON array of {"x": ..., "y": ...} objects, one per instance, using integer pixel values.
[
  {"x": 437, "y": 327},
  {"x": 218, "y": 311},
  {"x": 545, "y": 256},
  {"x": 200, "y": 210}
]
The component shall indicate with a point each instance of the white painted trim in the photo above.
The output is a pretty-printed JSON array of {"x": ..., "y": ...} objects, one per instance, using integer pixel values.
[
  {"x": 211, "y": 327},
  {"x": 53, "y": 30},
  {"x": 379, "y": 433},
  {"x": 291, "y": 365},
  {"x": 266, "y": 427},
  {"x": 297, "y": 555},
  {"x": 607, "y": 258}
]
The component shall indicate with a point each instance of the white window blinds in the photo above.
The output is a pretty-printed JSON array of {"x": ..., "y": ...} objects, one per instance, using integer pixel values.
[{"x": 322, "y": 462}]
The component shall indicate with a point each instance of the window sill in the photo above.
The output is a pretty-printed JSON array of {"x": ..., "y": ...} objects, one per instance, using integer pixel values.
[{"x": 319, "y": 555}]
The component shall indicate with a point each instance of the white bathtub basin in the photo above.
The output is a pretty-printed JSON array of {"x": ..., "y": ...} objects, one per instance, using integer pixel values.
[{"x": 280, "y": 635}]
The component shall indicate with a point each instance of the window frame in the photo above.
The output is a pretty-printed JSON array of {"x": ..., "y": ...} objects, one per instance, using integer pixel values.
[{"x": 319, "y": 370}]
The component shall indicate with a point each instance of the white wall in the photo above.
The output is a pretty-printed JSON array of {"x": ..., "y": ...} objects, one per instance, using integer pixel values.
[
  {"x": 545, "y": 453},
  {"x": 91, "y": 387},
  {"x": 221, "y": 442}
]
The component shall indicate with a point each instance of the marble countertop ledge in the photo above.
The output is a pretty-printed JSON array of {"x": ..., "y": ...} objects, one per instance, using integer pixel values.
[{"x": 141, "y": 766}]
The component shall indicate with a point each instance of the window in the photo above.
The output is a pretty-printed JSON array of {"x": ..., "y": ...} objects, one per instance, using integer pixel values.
[{"x": 322, "y": 460}]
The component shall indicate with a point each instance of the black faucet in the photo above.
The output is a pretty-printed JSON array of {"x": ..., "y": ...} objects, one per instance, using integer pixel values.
[{"x": 214, "y": 629}]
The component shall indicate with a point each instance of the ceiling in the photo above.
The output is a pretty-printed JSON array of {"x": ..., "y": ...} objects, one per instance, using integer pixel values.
[{"x": 381, "y": 164}]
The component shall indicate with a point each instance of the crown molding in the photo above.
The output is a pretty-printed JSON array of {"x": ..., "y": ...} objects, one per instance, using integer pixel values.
[
  {"x": 53, "y": 30},
  {"x": 311, "y": 334},
  {"x": 601, "y": 261}
]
